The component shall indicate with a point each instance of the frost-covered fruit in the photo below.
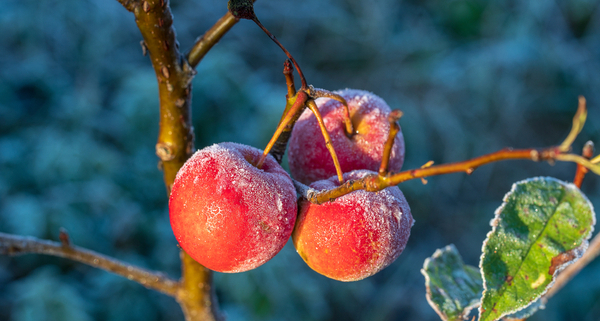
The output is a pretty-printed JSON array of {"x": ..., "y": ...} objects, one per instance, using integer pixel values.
[
  {"x": 308, "y": 156},
  {"x": 356, "y": 235},
  {"x": 226, "y": 213}
]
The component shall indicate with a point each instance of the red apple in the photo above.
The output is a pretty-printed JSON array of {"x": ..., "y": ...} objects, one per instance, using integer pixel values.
[
  {"x": 229, "y": 215},
  {"x": 356, "y": 235},
  {"x": 308, "y": 156}
]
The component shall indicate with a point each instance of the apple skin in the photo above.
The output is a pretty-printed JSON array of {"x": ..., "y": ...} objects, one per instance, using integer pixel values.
[
  {"x": 356, "y": 235},
  {"x": 229, "y": 215},
  {"x": 308, "y": 157}
]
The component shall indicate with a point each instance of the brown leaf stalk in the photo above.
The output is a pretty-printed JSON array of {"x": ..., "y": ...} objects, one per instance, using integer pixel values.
[{"x": 19, "y": 245}]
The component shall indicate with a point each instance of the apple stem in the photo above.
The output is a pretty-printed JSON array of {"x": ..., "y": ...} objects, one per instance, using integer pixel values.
[
  {"x": 290, "y": 115},
  {"x": 393, "y": 118},
  {"x": 322, "y": 93},
  {"x": 313, "y": 107},
  {"x": 588, "y": 152}
]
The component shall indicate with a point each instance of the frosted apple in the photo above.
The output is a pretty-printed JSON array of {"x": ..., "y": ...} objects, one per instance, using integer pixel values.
[
  {"x": 229, "y": 215},
  {"x": 356, "y": 235},
  {"x": 308, "y": 156}
]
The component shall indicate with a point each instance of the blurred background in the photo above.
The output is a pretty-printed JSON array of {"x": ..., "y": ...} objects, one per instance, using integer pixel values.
[{"x": 79, "y": 118}]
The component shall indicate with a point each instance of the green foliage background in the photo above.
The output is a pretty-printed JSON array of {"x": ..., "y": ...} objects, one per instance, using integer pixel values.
[{"x": 79, "y": 114}]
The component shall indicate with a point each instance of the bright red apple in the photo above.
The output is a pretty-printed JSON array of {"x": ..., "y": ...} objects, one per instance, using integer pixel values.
[
  {"x": 356, "y": 235},
  {"x": 308, "y": 156},
  {"x": 229, "y": 215}
]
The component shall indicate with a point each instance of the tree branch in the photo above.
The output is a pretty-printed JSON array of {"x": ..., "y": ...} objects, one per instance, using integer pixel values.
[
  {"x": 374, "y": 182},
  {"x": 377, "y": 182},
  {"x": 210, "y": 38},
  {"x": 176, "y": 138},
  {"x": 19, "y": 245}
]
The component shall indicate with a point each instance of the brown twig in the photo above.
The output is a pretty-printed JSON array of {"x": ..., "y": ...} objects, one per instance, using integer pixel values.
[
  {"x": 210, "y": 38},
  {"x": 280, "y": 145},
  {"x": 294, "y": 108},
  {"x": 374, "y": 182},
  {"x": 287, "y": 53},
  {"x": 377, "y": 182},
  {"x": 20, "y": 245},
  {"x": 588, "y": 152},
  {"x": 393, "y": 118},
  {"x": 288, "y": 72},
  {"x": 244, "y": 9}
]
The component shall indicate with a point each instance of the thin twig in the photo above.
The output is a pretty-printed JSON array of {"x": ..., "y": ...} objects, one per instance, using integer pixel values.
[
  {"x": 20, "y": 245},
  {"x": 588, "y": 152},
  {"x": 377, "y": 182},
  {"x": 393, "y": 118},
  {"x": 280, "y": 145},
  {"x": 210, "y": 38},
  {"x": 374, "y": 182},
  {"x": 295, "y": 106}
]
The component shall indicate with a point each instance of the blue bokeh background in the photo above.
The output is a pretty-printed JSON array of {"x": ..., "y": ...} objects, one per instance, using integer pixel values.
[{"x": 79, "y": 118}]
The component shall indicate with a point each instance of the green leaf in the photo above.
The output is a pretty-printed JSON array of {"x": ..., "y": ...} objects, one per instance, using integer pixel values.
[
  {"x": 526, "y": 312},
  {"x": 542, "y": 226},
  {"x": 453, "y": 288}
]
